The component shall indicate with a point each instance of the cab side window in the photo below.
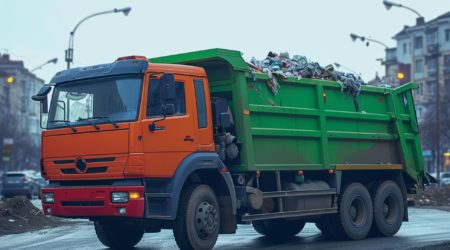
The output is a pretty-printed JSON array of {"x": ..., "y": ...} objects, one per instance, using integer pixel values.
[{"x": 154, "y": 102}]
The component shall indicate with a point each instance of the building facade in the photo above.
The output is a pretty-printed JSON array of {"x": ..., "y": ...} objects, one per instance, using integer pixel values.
[
  {"x": 19, "y": 116},
  {"x": 422, "y": 55}
]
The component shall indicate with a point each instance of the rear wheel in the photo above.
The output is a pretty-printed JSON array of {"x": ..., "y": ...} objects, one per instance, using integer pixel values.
[
  {"x": 354, "y": 218},
  {"x": 198, "y": 219},
  {"x": 278, "y": 228},
  {"x": 388, "y": 209},
  {"x": 118, "y": 235}
]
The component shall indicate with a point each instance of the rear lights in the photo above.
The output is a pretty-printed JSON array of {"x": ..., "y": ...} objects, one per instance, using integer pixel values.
[
  {"x": 49, "y": 197},
  {"x": 119, "y": 197},
  {"x": 124, "y": 197}
]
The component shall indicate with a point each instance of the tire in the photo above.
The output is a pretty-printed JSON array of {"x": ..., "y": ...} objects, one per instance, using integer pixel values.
[
  {"x": 278, "y": 229},
  {"x": 118, "y": 235},
  {"x": 388, "y": 209},
  {"x": 198, "y": 218},
  {"x": 354, "y": 218}
]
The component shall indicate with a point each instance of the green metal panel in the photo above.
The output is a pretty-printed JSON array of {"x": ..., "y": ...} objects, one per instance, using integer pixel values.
[{"x": 311, "y": 124}]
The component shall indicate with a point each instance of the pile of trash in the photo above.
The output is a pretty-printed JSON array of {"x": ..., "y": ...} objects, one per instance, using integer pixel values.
[
  {"x": 432, "y": 197},
  {"x": 283, "y": 66},
  {"x": 18, "y": 215}
]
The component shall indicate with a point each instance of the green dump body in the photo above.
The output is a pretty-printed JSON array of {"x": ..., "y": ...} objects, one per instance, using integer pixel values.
[{"x": 312, "y": 124}]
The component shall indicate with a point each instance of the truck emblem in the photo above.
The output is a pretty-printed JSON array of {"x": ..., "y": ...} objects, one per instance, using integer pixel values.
[{"x": 80, "y": 165}]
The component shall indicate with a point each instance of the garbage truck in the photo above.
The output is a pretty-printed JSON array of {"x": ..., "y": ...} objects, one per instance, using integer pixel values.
[{"x": 198, "y": 143}]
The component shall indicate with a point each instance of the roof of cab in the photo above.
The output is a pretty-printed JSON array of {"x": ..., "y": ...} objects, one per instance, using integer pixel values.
[
  {"x": 177, "y": 69},
  {"x": 121, "y": 67}
]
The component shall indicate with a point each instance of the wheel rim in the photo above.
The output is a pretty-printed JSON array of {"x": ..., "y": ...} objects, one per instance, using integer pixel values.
[
  {"x": 358, "y": 212},
  {"x": 389, "y": 209},
  {"x": 206, "y": 219}
]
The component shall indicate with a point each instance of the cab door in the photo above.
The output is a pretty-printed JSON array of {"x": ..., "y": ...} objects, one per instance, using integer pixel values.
[{"x": 176, "y": 136}]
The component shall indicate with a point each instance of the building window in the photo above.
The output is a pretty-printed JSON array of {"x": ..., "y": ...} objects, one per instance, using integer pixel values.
[
  {"x": 419, "y": 66},
  {"x": 447, "y": 89},
  {"x": 432, "y": 37},
  {"x": 405, "y": 48},
  {"x": 447, "y": 64},
  {"x": 432, "y": 66},
  {"x": 420, "y": 89},
  {"x": 431, "y": 88},
  {"x": 447, "y": 35},
  {"x": 418, "y": 42}
]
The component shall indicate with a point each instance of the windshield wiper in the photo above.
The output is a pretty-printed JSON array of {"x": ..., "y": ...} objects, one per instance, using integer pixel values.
[
  {"x": 67, "y": 123},
  {"x": 103, "y": 118},
  {"x": 88, "y": 121}
]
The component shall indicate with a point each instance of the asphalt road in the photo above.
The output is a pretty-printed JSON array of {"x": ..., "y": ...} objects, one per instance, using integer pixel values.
[{"x": 426, "y": 227}]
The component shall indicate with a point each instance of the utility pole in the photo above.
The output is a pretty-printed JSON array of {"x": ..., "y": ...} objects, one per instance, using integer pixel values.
[{"x": 438, "y": 124}]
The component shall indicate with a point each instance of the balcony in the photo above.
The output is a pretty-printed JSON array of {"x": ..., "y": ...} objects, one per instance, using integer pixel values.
[
  {"x": 432, "y": 72},
  {"x": 433, "y": 49}
]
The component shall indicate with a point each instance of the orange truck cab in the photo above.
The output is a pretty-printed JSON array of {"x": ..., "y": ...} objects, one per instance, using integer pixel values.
[{"x": 122, "y": 139}]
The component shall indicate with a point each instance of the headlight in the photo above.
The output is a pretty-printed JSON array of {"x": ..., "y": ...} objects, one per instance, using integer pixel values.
[
  {"x": 119, "y": 197},
  {"x": 49, "y": 197}
]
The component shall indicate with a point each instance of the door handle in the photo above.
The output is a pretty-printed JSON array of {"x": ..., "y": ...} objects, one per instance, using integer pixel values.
[{"x": 188, "y": 138}]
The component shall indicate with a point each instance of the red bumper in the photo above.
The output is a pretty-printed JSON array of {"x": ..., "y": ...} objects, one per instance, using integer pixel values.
[{"x": 92, "y": 202}]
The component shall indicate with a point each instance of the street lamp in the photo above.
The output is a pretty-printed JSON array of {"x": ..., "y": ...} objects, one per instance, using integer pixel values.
[
  {"x": 355, "y": 37},
  {"x": 389, "y": 4},
  {"x": 69, "y": 51},
  {"x": 54, "y": 61}
]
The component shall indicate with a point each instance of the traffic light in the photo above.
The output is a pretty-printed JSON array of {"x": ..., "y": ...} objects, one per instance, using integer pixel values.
[{"x": 9, "y": 79}]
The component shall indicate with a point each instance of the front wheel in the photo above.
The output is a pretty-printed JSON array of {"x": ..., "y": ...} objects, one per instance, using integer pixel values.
[
  {"x": 118, "y": 235},
  {"x": 198, "y": 218}
]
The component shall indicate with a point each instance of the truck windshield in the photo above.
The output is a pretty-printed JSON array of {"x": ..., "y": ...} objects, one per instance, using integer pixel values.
[{"x": 113, "y": 99}]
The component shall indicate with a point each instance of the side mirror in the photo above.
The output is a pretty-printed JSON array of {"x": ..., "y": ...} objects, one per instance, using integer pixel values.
[
  {"x": 167, "y": 85},
  {"x": 168, "y": 109},
  {"x": 42, "y": 93},
  {"x": 41, "y": 96}
]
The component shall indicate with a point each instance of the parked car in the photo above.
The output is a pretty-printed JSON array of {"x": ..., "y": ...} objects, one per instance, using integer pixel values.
[
  {"x": 445, "y": 179},
  {"x": 41, "y": 182},
  {"x": 1, "y": 180},
  {"x": 18, "y": 183},
  {"x": 34, "y": 176}
]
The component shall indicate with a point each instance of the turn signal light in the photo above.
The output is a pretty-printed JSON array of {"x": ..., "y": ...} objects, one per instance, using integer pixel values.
[{"x": 134, "y": 195}]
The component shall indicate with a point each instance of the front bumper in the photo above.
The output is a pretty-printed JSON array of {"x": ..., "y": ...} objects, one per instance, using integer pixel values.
[{"x": 81, "y": 202}]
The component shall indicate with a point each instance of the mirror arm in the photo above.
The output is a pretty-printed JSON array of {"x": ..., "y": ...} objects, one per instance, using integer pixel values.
[{"x": 152, "y": 127}]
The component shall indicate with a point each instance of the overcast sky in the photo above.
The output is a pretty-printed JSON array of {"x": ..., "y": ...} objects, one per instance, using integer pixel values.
[{"x": 35, "y": 31}]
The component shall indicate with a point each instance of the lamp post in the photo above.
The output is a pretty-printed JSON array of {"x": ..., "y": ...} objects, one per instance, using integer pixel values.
[
  {"x": 54, "y": 61},
  {"x": 355, "y": 37},
  {"x": 389, "y": 4},
  {"x": 69, "y": 51}
]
